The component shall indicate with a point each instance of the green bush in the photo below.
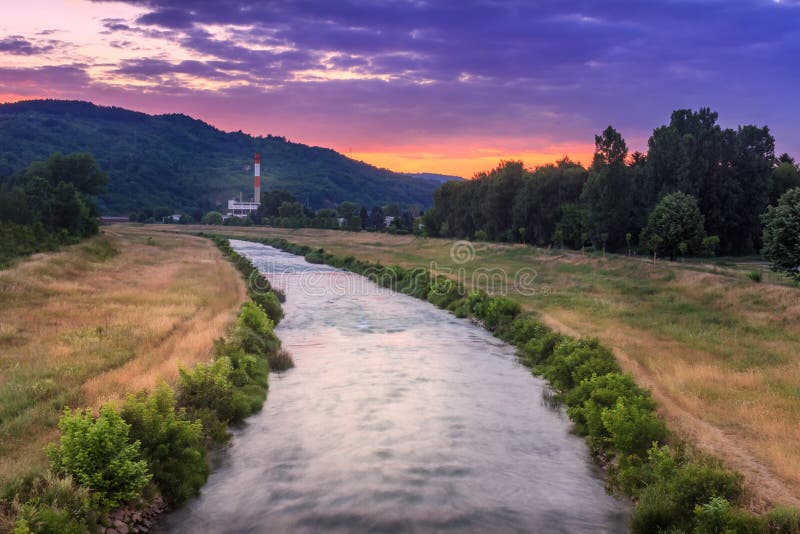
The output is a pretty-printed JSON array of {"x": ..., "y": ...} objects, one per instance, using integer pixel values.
[
  {"x": 675, "y": 487},
  {"x": 477, "y": 302},
  {"x": 632, "y": 428},
  {"x": 500, "y": 311},
  {"x": 701, "y": 478},
  {"x": 51, "y": 504},
  {"x": 523, "y": 328},
  {"x": 44, "y": 519},
  {"x": 281, "y": 361},
  {"x": 316, "y": 256},
  {"x": 170, "y": 442},
  {"x": 269, "y": 302},
  {"x": 632, "y": 473},
  {"x": 207, "y": 394},
  {"x": 717, "y": 516},
  {"x": 592, "y": 396},
  {"x": 540, "y": 349},
  {"x": 755, "y": 276},
  {"x": 99, "y": 455},
  {"x": 253, "y": 331},
  {"x": 443, "y": 292},
  {"x": 575, "y": 360},
  {"x": 784, "y": 520},
  {"x": 655, "y": 511},
  {"x": 246, "y": 368}
]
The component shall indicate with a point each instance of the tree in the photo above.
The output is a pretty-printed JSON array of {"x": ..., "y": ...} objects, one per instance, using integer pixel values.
[
  {"x": 730, "y": 172},
  {"x": 608, "y": 191},
  {"x": 272, "y": 200},
  {"x": 290, "y": 209},
  {"x": 500, "y": 186},
  {"x": 782, "y": 234},
  {"x": 571, "y": 230},
  {"x": 785, "y": 176},
  {"x": 348, "y": 210},
  {"x": 537, "y": 205},
  {"x": 392, "y": 210},
  {"x": 675, "y": 226},
  {"x": 79, "y": 169},
  {"x": 376, "y": 218},
  {"x": 212, "y": 217},
  {"x": 326, "y": 213}
]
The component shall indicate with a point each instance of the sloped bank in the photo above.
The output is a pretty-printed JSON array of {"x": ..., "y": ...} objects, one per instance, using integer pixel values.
[
  {"x": 114, "y": 472},
  {"x": 674, "y": 488}
]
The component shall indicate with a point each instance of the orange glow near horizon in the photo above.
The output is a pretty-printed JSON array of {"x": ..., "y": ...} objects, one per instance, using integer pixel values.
[
  {"x": 6, "y": 98},
  {"x": 470, "y": 161},
  {"x": 462, "y": 157}
]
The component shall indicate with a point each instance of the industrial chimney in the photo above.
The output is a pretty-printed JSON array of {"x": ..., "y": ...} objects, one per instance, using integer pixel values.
[{"x": 257, "y": 179}]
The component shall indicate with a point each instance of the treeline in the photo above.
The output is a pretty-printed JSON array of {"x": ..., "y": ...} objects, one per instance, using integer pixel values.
[
  {"x": 118, "y": 468},
  {"x": 674, "y": 488},
  {"x": 731, "y": 176},
  {"x": 280, "y": 208},
  {"x": 48, "y": 204}
]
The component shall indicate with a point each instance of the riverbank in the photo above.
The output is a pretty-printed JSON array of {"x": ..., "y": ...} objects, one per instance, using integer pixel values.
[
  {"x": 95, "y": 321},
  {"x": 114, "y": 469},
  {"x": 670, "y": 325}
]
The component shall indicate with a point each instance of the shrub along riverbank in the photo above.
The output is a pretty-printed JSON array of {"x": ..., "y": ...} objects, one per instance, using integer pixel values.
[
  {"x": 674, "y": 488},
  {"x": 112, "y": 471}
]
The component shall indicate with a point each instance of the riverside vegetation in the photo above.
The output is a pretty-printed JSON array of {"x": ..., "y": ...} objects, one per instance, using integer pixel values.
[
  {"x": 674, "y": 487},
  {"x": 153, "y": 447}
]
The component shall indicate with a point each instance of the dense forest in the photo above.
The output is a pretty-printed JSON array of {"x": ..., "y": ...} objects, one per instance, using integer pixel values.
[
  {"x": 727, "y": 178},
  {"x": 48, "y": 204},
  {"x": 184, "y": 164}
]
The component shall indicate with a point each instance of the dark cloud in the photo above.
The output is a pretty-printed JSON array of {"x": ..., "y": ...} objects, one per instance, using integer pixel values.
[
  {"x": 61, "y": 80},
  {"x": 19, "y": 45}
]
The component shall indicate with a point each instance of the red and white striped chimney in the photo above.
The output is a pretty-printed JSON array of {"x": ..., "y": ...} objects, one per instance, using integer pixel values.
[{"x": 257, "y": 178}]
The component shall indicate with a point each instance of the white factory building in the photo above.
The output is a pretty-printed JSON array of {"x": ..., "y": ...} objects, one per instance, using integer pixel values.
[
  {"x": 237, "y": 208},
  {"x": 240, "y": 208}
]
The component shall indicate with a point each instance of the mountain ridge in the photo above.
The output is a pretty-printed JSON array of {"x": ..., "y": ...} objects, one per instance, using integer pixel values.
[{"x": 179, "y": 161}]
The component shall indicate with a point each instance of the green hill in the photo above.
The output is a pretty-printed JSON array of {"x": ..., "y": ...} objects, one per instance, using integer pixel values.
[{"x": 184, "y": 163}]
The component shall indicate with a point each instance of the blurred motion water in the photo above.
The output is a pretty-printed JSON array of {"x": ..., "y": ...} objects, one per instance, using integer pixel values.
[{"x": 398, "y": 417}]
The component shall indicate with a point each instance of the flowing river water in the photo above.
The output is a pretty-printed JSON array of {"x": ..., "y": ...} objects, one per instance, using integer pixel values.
[{"x": 397, "y": 417}]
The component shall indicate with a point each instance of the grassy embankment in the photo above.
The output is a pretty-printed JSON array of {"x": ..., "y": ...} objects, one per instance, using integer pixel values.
[
  {"x": 113, "y": 315},
  {"x": 718, "y": 350}
]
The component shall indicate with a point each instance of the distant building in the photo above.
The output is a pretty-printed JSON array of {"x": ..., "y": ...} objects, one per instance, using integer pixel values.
[
  {"x": 389, "y": 219},
  {"x": 238, "y": 208}
]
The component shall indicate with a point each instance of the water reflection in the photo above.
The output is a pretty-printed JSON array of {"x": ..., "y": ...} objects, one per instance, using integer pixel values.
[{"x": 398, "y": 417}]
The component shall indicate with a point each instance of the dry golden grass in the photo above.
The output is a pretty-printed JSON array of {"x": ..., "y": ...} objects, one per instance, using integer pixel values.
[
  {"x": 81, "y": 330},
  {"x": 720, "y": 352}
]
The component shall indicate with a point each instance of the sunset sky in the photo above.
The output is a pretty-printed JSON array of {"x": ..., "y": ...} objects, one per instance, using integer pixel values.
[{"x": 449, "y": 87}]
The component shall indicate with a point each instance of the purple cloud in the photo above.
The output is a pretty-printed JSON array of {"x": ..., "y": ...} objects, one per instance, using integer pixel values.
[{"x": 19, "y": 45}]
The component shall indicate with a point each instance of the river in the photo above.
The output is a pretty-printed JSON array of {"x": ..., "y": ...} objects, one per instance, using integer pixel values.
[{"x": 397, "y": 417}]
